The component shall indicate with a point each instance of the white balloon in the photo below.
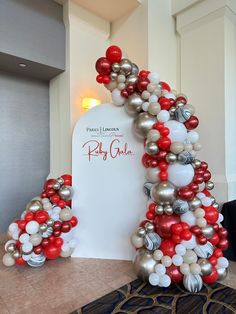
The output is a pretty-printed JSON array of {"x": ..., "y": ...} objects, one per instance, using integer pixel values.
[
  {"x": 220, "y": 219},
  {"x": 72, "y": 243},
  {"x": 154, "y": 77},
  {"x": 180, "y": 249},
  {"x": 157, "y": 255},
  {"x": 170, "y": 95},
  {"x": 201, "y": 187},
  {"x": 24, "y": 238},
  {"x": 165, "y": 281},
  {"x": 27, "y": 247},
  {"x": 178, "y": 131},
  {"x": 15, "y": 235},
  {"x": 145, "y": 106},
  {"x": 65, "y": 247},
  {"x": 180, "y": 175},
  {"x": 13, "y": 227},
  {"x": 160, "y": 269},
  {"x": 153, "y": 98},
  {"x": 189, "y": 217},
  {"x": 177, "y": 260},
  {"x": 200, "y": 195},
  {"x": 193, "y": 137},
  {"x": 185, "y": 269},
  {"x": 56, "y": 210},
  {"x": 166, "y": 261},
  {"x": 152, "y": 174},
  {"x": 45, "y": 200},
  {"x": 190, "y": 244},
  {"x": 32, "y": 227},
  {"x": 222, "y": 262},
  {"x": 47, "y": 206},
  {"x": 206, "y": 201},
  {"x": 154, "y": 279},
  {"x": 163, "y": 116},
  {"x": 26, "y": 257},
  {"x": 117, "y": 99}
]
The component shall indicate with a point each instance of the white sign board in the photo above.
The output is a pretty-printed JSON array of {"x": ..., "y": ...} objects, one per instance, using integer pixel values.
[{"x": 108, "y": 179}]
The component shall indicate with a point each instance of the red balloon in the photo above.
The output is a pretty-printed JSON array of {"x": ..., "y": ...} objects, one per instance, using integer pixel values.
[
  {"x": 216, "y": 227},
  {"x": 204, "y": 165},
  {"x": 55, "y": 198},
  {"x": 168, "y": 247},
  {"x": 207, "y": 176},
  {"x": 103, "y": 66},
  {"x": 201, "y": 239},
  {"x": 175, "y": 275},
  {"x": 43, "y": 194},
  {"x": 198, "y": 179},
  {"x": 184, "y": 225},
  {"x": 212, "y": 277},
  {"x": 49, "y": 184},
  {"x": 58, "y": 242},
  {"x": 57, "y": 225},
  {"x": 41, "y": 216},
  {"x": 146, "y": 160},
  {"x": 193, "y": 187},
  {"x": 143, "y": 74},
  {"x": 165, "y": 103},
  {"x": 176, "y": 238},
  {"x": 211, "y": 214},
  {"x": 177, "y": 228},
  {"x": 51, "y": 238},
  {"x": 158, "y": 126},
  {"x": 150, "y": 215},
  {"x": 191, "y": 123},
  {"x": 124, "y": 93},
  {"x": 163, "y": 225},
  {"x": 38, "y": 249},
  {"x": 165, "y": 86},
  {"x": 29, "y": 216},
  {"x": 61, "y": 204},
  {"x": 65, "y": 227},
  {"x": 181, "y": 99},
  {"x": 164, "y": 143},
  {"x": 18, "y": 245},
  {"x": 106, "y": 79},
  {"x": 214, "y": 239},
  {"x": 45, "y": 242},
  {"x": 67, "y": 179},
  {"x": 223, "y": 244},
  {"x": 196, "y": 230},
  {"x": 186, "y": 194},
  {"x": 217, "y": 253},
  {"x": 213, "y": 260},
  {"x": 73, "y": 221},
  {"x": 165, "y": 131},
  {"x": 223, "y": 233},
  {"x": 163, "y": 175},
  {"x": 57, "y": 233},
  {"x": 20, "y": 261},
  {"x": 142, "y": 84},
  {"x": 114, "y": 54},
  {"x": 52, "y": 251},
  {"x": 161, "y": 155},
  {"x": 22, "y": 224},
  {"x": 186, "y": 235},
  {"x": 99, "y": 78},
  {"x": 50, "y": 192}
]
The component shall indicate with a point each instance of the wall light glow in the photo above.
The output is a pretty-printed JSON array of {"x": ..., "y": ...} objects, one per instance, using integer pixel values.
[{"x": 89, "y": 103}]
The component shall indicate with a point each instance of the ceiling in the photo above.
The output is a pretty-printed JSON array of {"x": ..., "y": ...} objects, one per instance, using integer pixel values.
[{"x": 109, "y": 10}]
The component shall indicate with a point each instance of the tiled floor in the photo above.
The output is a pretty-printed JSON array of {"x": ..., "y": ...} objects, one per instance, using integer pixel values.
[{"x": 65, "y": 284}]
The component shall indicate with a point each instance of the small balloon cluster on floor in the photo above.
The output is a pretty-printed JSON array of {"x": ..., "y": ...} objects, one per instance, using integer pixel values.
[
  {"x": 181, "y": 239},
  {"x": 43, "y": 230}
]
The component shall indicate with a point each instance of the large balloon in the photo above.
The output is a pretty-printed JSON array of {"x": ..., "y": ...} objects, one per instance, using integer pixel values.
[
  {"x": 143, "y": 123},
  {"x": 144, "y": 264},
  {"x": 180, "y": 175},
  {"x": 163, "y": 225},
  {"x": 163, "y": 193},
  {"x": 178, "y": 132}
]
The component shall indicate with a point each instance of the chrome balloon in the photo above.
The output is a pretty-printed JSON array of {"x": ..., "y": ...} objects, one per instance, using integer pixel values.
[
  {"x": 133, "y": 105},
  {"x": 168, "y": 210},
  {"x": 115, "y": 67},
  {"x": 222, "y": 273},
  {"x": 151, "y": 148},
  {"x": 171, "y": 158},
  {"x": 141, "y": 232},
  {"x": 163, "y": 193},
  {"x": 209, "y": 185},
  {"x": 125, "y": 66},
  {"x": 149, "y": 227},
  {"x": 195, "y": 203},
  {"x": 34, "y": 205},
  {"x": 193, "y": 283},
  {"x": 135, "y": 69},
  {"x": 56, "y": 185},
  {"x": 208, "y": 231},
  {"x": 196, "y": 163},
  {"x": 144, "y": 264},
  {"x": 159, "y": 210},
  {"x": 65, "y": 192},
  {"x": 143, "y": 123},
  {"x": 131, "y": 79},
  {"x": 206, "y": 267}
]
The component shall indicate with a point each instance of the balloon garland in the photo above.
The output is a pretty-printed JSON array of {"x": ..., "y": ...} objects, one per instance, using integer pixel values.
[
  {"x": 181, "y": 238},
  {"x": 43, "y": 231}
]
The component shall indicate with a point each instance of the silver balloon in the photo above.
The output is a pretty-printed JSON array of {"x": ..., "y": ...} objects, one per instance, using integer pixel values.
[
  {"x": 222, "y": 273},
  {"x": 151, "y": 148},
  {"x": 65, "y": 192},
  {"x": 10, "y": 248},
  {"x": 195, "y": 203},
  {"x": 180, "y": 207},
  {"x": 115, "y": 67},
  {"x": 149, "y": 227},
  {"x": 163, "y": 193},
  {"x": 152, "y": 241},
  {"x": 182, "y": 114},
  {"x": 135, "y": 69},
  {"x": 60, "y": 180},
  {"x": 159, "y": 210},
  {"x": 113, "y": 76},
  {"x": 50, "y": 222},
  {"x": 143, "y": 123},
  {"x": 168, "y": 210},
  {"x": 171, "y": 158},
  {"x": 131, "y": 79},
  {"x": 141, "y": 232},
  {"x": 172, "y": 111},
  {"x": 205, "y": 250},
  {"x": 34, "y": 206},
  {"x": 208, "y": 231},
  {"x": 16, "y": 254},
  {"x": 56, "y": 185},
  {"x": 125, "y": 66},
  {"x": 43, "y": 227},
  {"x": 209, "y": 185},
  {"x": 36, "y": 260},
  {"x": 206, "y": 267},
  {"x": 196, "y": 163},
  {"x": 133, "y": 105},
  {"x": 217, "y": 206},
  {"x": 193, "y": 283},
  {"x": 144, "y": 264},
  {"x": 212, "y": 198}
]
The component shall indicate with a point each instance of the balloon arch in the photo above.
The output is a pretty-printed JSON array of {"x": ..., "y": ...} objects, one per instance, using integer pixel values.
[{"x": 181, "y": 238}]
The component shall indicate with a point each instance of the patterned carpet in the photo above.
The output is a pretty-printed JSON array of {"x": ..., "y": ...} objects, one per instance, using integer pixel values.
[{"x": 140, "y": 298}]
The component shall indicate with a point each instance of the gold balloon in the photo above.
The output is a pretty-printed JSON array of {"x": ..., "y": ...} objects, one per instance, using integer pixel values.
[
  {"x": 144, "y": 264},
  {"x": 34, "y": 205},
  {"x": 163, "y": 193},
  {"x": 133, "y": 104}
]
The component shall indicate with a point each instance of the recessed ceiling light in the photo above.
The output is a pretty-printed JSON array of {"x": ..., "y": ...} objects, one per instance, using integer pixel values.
[{"x": 22, "y": 65}]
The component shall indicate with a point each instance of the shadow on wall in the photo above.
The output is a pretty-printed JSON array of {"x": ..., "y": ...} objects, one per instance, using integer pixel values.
[{"x": 24, "y": 143}]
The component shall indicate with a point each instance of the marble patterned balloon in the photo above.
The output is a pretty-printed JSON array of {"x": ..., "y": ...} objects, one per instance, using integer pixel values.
[
  {"x": 47, "y": 233},
  {"x": 204, "y": 251},
  {"x": 182, "y": 114},
  {"x": 147, "y": 188},
  {"x": 152, "y": 241},
  {"x": 185, "y": 158},
  {"x": 37, "y": 260},
  {"x": 193, "y": 283},
  {"x": 180, "y": 206}
]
